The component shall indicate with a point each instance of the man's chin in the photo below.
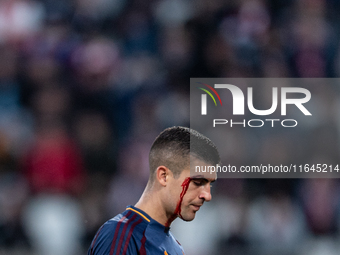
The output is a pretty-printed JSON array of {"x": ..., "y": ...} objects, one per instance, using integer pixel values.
[
  {"x": 187, "y": 220},
  {"x": 188, "y": 217}
]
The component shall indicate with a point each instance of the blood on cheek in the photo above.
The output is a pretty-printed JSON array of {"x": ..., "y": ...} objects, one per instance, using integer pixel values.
[{"x": 177, "y": 212}]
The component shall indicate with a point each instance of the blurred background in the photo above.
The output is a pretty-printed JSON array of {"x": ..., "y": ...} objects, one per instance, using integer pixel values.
[{"x": 86, "y": 85}]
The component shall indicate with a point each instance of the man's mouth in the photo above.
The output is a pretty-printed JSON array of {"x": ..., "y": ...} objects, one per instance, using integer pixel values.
[{"x": 196, "y": 207}]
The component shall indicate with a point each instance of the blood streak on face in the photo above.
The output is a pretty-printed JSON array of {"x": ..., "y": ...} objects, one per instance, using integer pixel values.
[{"x": 185, "y": 186}]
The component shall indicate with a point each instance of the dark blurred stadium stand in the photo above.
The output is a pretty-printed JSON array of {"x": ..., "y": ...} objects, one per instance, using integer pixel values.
[{"x": 86, "y": 85}]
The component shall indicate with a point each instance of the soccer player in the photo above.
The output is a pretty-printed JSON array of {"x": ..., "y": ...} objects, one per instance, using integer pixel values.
[{"x": 171, "y": 192}]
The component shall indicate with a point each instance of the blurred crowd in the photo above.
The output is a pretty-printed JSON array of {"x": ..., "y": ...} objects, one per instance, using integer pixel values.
[{"x": 86, "y": 85}]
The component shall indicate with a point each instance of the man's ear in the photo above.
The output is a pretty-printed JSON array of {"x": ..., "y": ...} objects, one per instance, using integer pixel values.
[{"x": 162, "y": 175}]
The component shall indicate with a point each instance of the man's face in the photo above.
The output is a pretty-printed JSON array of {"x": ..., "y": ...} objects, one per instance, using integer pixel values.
[{"x": 197, "y": 191}]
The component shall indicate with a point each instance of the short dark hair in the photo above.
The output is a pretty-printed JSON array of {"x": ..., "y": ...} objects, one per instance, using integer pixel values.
[{"x": 173, "y": 146}]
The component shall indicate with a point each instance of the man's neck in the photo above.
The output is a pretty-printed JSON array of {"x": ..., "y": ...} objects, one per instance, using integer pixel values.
[{"x": 153, "y": 207}]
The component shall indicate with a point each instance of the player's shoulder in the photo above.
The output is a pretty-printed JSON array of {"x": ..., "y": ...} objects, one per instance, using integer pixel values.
[
  {"x": 122, "y": 229},
  {"x": 175, "y": 241},
  {"x": 130, "y": 221}
]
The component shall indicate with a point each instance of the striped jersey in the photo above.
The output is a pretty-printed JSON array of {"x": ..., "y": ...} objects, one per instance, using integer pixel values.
[{"x": 134, "y": 232}]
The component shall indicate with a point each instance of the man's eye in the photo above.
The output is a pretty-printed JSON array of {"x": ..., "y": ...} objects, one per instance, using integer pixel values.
[{"x": 198, "y": 183}]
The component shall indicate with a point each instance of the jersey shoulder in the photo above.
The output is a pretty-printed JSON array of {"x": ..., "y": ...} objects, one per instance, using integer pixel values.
[
  {"x": 119, "y": 235},
  {"x": 176, "y": 243}
]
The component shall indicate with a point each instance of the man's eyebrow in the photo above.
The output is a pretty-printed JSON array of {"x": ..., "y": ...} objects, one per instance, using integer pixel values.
[
  {"x": 203, "y": 178},
  {"x": 197, "y": 177}
]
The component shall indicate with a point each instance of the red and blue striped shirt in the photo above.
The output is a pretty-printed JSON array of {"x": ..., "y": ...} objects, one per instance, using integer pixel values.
[{"x": 134, "y": 232}]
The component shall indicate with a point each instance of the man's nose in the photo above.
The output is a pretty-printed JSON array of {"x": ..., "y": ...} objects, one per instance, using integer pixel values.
[{"x": 206, "y": 194}]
